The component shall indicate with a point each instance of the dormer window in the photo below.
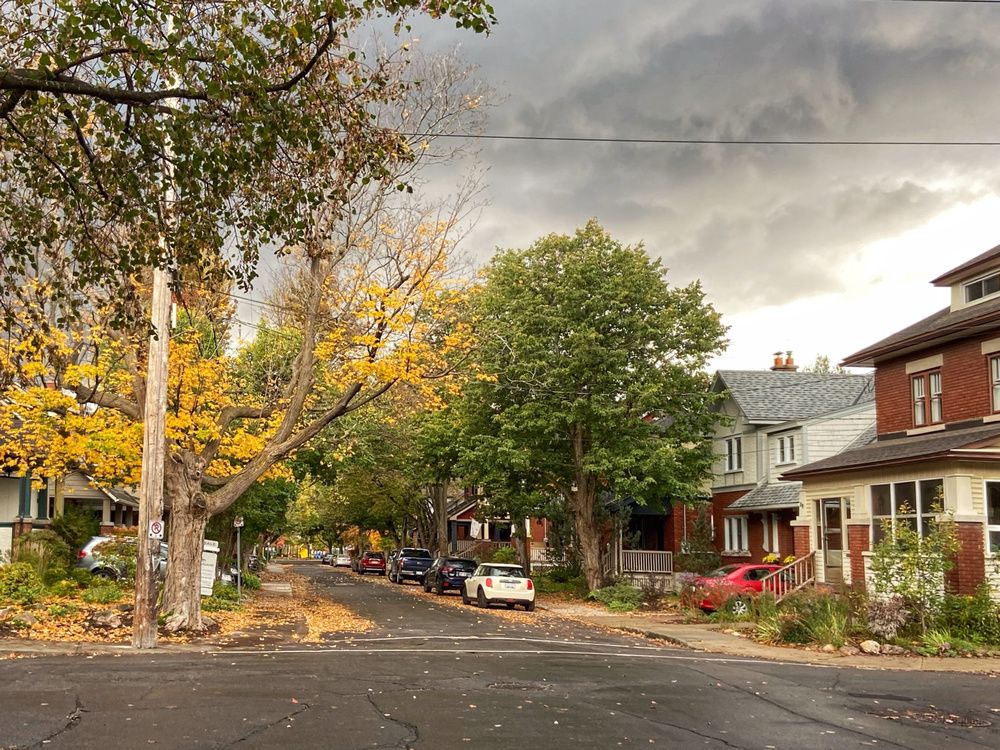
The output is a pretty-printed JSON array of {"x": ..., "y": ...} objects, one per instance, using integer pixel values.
[{"x": 984, "y": 287}]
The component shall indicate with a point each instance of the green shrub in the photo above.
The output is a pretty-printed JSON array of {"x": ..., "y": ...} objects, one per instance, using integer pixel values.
[
  {"x": 563, "y": 573},
  {"x": 620, "y": 597},
  {"x": 106, "y": 593},
  {"x": 82, "y": 578},
  {"x": 507, "y": 555},
  {"x": 20, "y": 584},
  {"x": 575, "y": 586},
  {"x": 224, "y": 603},
  {"x": 223, "y": 591},
  {"x": 45, "y": 551},
  {"x": 64, "y": 587},
  {"x": 62, "y": 610},
  {"x": 250, "y": 581},
  {"x": 75, "y": 526},
  {"x": 971, "y": 618}
]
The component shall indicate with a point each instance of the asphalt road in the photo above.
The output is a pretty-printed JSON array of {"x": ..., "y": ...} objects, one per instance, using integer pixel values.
[{"x": 438, "y": 676}]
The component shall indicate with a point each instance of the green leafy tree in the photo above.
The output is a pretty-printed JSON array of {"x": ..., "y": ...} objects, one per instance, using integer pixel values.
[{"x": 594, "y": 379}]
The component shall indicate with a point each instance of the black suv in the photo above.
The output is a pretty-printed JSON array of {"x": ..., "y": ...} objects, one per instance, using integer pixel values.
[{"x": 448, "y": 574}]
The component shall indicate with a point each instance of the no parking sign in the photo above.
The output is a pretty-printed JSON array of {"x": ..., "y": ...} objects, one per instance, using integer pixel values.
[{"x": 156, "y": 529}]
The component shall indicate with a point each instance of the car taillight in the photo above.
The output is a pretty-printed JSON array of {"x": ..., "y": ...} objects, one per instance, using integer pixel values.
[
  {"x": 81, "y": 554},
  {"x": 530, "y": 585},
  {"x": 489, "y": 583},
  {"x": 447, "y": 569}
]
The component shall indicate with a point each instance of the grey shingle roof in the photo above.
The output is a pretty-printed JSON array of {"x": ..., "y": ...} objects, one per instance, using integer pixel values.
[
  {"x": 970, "y": 267},
  {"x": 904, "y": 450},
  {"x": 866, "y": 437},
  {"x": 770, "y": 496},
  {"x": 768, "y": 396}
]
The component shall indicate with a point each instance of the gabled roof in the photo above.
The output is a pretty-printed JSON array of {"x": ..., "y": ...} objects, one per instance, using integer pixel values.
[
  {"x": 776, "y": 396},
  {"x": 769, "y": 496},
  {"x": 944, "y": 325},
  {"x": 970, "y": 268},
  {"x": 981, "y": 442}
]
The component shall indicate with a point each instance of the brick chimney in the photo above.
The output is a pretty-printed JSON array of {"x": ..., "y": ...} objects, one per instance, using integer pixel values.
[{"x": 783, "y": 362}]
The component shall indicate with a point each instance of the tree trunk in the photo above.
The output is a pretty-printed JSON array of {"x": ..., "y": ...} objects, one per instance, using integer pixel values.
[
  {"x": 440, "y": 494},
  {"x": 582, "y": 503},
  {"x": 188, "y": 518}
]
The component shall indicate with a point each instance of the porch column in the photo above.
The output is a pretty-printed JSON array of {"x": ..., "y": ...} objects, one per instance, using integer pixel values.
[
  {"x": 107, "y": 523},
  {"x": 43, "y": 503}
]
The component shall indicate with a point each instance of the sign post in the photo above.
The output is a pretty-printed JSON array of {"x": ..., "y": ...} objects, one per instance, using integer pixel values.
[{"x": 238, "y": 523}]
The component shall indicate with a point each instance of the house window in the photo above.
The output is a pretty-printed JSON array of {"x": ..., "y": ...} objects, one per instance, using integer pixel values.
[
  {"x": 734, "y": 454},
  {"x": 913, "y": 504},
  {"x": 995, "y": 381},
  {"x": 993, "y": 517},
  {"x": 926, "y": 398},
  {"x": 786, "y": 450},
  {"x": 982, "y": 287},
  {"x": 736, "y": 534},
  {"x": 770, "y": 524}
]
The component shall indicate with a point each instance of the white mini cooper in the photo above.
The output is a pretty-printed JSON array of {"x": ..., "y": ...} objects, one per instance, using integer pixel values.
[{"x": 494, "y": 583}]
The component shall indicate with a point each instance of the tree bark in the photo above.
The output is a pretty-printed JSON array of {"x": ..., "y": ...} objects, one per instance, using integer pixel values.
[
  {"x": 188, "y": 519},
  {"x": 582, "y": 503},
  {"x": 440, "y": 494}
]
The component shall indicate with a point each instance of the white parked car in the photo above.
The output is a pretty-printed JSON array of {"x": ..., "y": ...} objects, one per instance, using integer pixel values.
[
  {"x": 494, "y": 583},
  {"x": 343, "y": 560}
]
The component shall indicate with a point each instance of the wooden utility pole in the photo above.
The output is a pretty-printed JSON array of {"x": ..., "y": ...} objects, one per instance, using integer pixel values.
[{"x": 154, "y": 444}]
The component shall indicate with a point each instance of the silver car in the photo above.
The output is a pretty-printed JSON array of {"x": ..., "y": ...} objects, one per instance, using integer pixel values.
[{"x": 90, "y": 558}]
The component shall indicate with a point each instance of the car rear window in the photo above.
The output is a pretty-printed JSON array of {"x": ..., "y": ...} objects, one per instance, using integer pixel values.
[
  {"x": 463, "y": 564},
  {"x": 723, "y": 571},
  {"x": 506, "y": 572},
  {"x": 408, "y": 552},
  {"x": 378, "y": 555}
]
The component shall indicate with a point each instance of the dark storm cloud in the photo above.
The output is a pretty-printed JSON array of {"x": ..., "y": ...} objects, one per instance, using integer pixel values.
[{"x": 740, "y": 218}]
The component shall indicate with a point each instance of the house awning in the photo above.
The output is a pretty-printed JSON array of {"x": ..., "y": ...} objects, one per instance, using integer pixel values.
[{"x": 770, "y": 496}]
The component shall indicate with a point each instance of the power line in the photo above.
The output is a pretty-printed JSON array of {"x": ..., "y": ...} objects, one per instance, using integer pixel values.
[{"x": 711, "y": 141}]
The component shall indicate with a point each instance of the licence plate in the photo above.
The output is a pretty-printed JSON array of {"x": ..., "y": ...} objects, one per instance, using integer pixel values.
[
  {"x": 463, "y": 575},
  {"x": 510, "y": 584}
]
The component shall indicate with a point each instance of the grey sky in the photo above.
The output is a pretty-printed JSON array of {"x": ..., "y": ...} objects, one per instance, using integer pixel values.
[{"x": 816, "y": 249}]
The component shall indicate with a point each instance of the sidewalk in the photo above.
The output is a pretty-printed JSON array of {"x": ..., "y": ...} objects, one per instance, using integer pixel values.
[{"x": 712, "y": 638}]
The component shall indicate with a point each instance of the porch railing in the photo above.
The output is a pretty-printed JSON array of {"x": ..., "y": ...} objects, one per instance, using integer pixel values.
[
  {"x": 647, "y": 561},
  {"x": 479, "y": 549},
  {"x": 790, "y": 578}
]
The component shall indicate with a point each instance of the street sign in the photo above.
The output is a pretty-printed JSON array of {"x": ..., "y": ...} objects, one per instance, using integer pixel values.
[
  {"x": 156, "y": 529},
  {"x": 238, "y": 522}
]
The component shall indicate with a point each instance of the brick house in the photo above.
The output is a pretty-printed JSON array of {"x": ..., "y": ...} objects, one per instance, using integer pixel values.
[
  {"x": 937, "y": 387},
  {"x": 777, "y": 419}
]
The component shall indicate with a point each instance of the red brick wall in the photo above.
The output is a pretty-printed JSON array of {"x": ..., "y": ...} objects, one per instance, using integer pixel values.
[
  {"x": 965, "y": 385},
  {"x": 858, "y": 539},
  {"x": 970, "y": 563},
  {"x": 800, "y": 540}
]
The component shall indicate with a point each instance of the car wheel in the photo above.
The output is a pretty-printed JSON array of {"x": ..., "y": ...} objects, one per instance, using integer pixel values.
[
  {"x": 427, "y": 587},
  {"x": 105, "y": 573},
  {"x": 739, "y": 606},
  {"x": 439, "y": 590},
  {"x": 465, "y": 597},
  {"x": 529, "y": 606},
  {"x": 360, "y": 572},
  {"x": 510, "y": 605},
  {"x": 481, "y": 599}
]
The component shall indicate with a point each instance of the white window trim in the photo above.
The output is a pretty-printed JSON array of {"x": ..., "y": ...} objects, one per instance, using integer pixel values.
[
  {"x": 920, "y": 512},
  {"x": 734, "y": 453},
  {"x": 967, "y": 284},
  {"x": 989, "y": 527},
  {"x": 785, "y": 451},
  {"x": 741, "y": 532}
]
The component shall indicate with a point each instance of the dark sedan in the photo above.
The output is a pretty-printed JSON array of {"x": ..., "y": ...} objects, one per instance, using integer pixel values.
[{"x": 448, "y": 574}]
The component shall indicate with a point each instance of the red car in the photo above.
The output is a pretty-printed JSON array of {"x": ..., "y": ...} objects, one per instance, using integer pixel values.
[
  {"x": 730, "y": 584},
  {"x": 372, "y": 562}
]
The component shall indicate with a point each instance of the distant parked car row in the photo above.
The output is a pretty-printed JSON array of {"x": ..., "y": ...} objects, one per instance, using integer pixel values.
[{"x": 483, "y": 584}]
